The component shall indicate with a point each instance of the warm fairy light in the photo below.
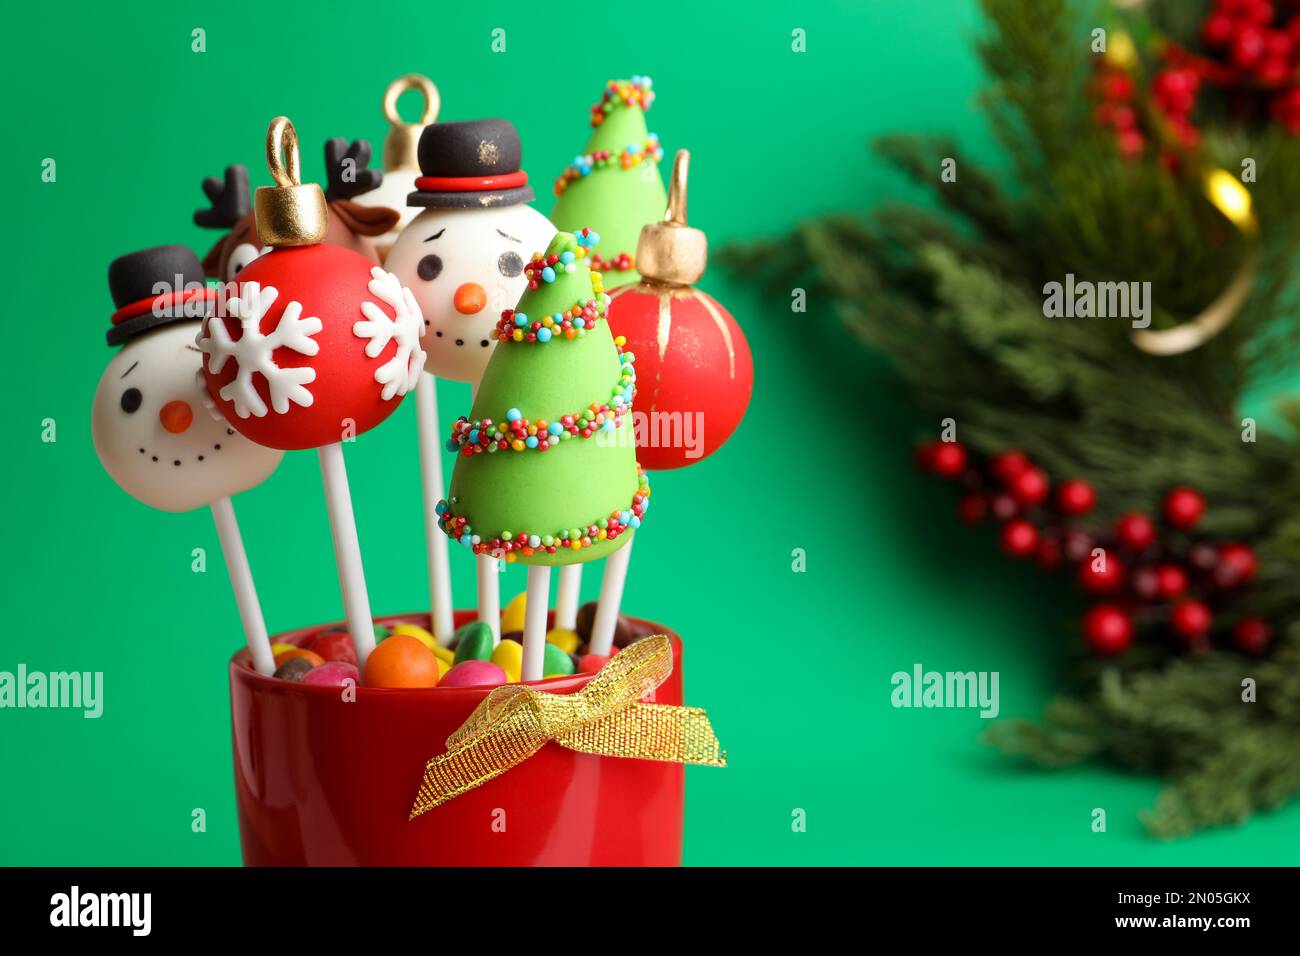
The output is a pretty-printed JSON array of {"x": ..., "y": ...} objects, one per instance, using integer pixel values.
[{"x": 1231, "y": 198}]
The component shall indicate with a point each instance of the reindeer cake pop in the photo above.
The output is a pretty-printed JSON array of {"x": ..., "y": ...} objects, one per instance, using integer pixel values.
[
  {"x": 350, "y": 225},
  {"x": 463, "y": 258},
  {"x": 154, "y": 428}
]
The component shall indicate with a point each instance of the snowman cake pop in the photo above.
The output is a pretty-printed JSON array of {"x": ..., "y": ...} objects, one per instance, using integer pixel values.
[
  {"x": 463, "y": 258},
  {"x": 152, "y": 424}
]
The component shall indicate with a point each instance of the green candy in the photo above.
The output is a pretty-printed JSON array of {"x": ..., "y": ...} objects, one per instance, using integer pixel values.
[
  {"x": 381, "y": 632},
  {"x": 473, "y": 642},
  {"x": 555, "y": 661}
]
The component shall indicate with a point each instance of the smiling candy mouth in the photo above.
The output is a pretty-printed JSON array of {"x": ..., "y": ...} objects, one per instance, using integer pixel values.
[{"x": 176, "y": 462}]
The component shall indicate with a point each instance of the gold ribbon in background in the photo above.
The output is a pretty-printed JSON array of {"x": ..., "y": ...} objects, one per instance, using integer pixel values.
[{"x": 606, "y": 718}]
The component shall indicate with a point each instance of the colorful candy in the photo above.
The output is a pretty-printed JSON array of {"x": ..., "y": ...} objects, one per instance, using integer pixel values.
[
  {"x": 555, "y": 662},
  {"x": 625, "y": 158},
  {"x": 333, "y": 674},
  {"x": 289, "y": 652},
  {"x": 401, "y": 661},
  {"x": 474, "y": 674},
  {"x": 473, "y": 642},
  {"x": 417, "y": 632},
  {"x": 512, "y": 618},
  {"x": 334, "y": 646},
  {"x": 565, "y": 640},
  {"x": 293, "y": 669},
  {"x": 509, "y": 656}
]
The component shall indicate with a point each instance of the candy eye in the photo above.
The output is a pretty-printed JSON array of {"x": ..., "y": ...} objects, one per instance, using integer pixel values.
[
  {"x": 430, "y": 268},
  {"x": 510, "y": 264},
  {"x": 243, "y": 254},
  {"x": 131, "y": 400}
]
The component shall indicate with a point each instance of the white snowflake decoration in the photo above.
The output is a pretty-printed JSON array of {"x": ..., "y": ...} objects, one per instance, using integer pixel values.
[
  {"x": 401, "y": 373},
  {"x": 253, "y": 352}
]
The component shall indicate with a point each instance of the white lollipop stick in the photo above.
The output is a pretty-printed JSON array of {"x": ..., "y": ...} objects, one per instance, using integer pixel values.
[
  {"x": 428, "y": 430},
  {"x": 241, "y": 581},
  {"x": 489, "y": 595},
  {"x": 347, "y": 551},
  {"x": 566, "y": 601},
  {"x": 611, "y": 598},
  {"x": 536, "y": 604}
]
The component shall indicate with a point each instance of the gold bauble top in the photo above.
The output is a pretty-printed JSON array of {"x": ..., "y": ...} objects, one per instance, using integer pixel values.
[
  {"x": 290, "y": 213},
  {"x": 401, "y": 145},
  {"x": 671, "y": 252}
]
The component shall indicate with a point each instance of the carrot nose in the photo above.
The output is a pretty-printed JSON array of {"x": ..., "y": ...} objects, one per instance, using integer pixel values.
[
  {"x": 176, "y": 417},
  {"x": 470, "y": 298}
]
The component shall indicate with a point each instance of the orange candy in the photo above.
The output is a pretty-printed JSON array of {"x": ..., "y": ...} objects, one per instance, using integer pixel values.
[
  {"x": 311, "y": 657},
  {"x": 401, "y": 661}
]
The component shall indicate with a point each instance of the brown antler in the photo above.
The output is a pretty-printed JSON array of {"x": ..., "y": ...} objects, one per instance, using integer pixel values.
[
  {"x": 231, "y": 199},
  {"x": 346, "y": 169}
]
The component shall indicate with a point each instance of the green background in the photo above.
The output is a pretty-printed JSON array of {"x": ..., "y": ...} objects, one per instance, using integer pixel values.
[{"x": 794, "y": 667}]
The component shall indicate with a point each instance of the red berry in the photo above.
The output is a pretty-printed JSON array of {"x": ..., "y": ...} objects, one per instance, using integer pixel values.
[
  {"x": 1171, "y": 581},
  {"x": 1145, "y": 583},
  {"x": 923, "y": 457},
  {"x": 1218, "y": 29},
  {"x": 1103, "y": 574},
  {"x": 1004, "y": 507},
  {"x": 1019, "y": 538},
  {"x": 1252, "y": 635},
  {"x": 1049, "y": 552},
  {"x": 973, "y": 507},
  {"x": 1108, "y": 630},
  {"x": 1124, "y": 118},
  {"x": 1183, "y": 507},
  {"x": 1191, "y": 620},
  {"x": 1030, "y": 487},
  {"x": 1135, "y": 531},
  {"x": 1130, "y": 143},
  {"x": 1237, "y": 565},
  {"x": 1247, "y": 46},
  {"x": 1075, "y": 497},
  {"x": 1076, "y": 544},
  {"x": 948, "y": 459},
  {"x": 1007, "y": 465},
  {"x": 1117, "y": 85},
  {"x": 1273, "y": 72}
]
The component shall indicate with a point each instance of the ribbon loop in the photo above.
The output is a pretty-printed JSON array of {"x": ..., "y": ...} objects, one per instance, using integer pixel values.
[{"x": 605, "y": 718}]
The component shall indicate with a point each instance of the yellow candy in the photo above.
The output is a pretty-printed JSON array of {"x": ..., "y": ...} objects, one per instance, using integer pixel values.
[
  {"x": 512, "y": 618},
  {"x": 518, "y": 335},
  {"x": 417, "y": 632},
  {"x": 509, "y": 656},
  {"x": 444, "y": 654},
  {"x": 279, "y": 647},
  {"x": 517, "y": 444},
  {"x": 443, "y": 667},
  {"x": 564, "y": 639}
]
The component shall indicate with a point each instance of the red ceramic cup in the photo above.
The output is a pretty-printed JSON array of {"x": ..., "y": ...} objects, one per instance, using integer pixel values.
[{"x": 320, "y": 781}]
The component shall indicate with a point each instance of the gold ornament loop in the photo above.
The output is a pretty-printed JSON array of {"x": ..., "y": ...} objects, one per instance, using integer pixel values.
[
  {"x": 402, "y": 144},
  {"x": 412, "y": 81},
  {"x": 282, "y": 138},
  {"x": 1226, "y": 194},
  {"x": 289, "y": 213},
  {"x": 670, "y": 252}
]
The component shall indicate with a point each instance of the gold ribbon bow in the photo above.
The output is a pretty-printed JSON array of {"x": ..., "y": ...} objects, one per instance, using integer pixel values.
[{"x": 606, "y": 718}]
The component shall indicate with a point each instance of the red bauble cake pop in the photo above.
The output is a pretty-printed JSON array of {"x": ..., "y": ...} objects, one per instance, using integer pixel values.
[
  {"x": 694, "y": 369},
  {"x": 317, "y": 344}
]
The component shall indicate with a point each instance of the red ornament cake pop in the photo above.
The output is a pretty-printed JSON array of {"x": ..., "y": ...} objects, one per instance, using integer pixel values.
[
  {"x": 695, "y": 372},
  {"x": 318, "y": 344}
]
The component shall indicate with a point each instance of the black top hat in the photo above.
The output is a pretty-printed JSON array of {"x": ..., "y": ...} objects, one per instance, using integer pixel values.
[
  {"x": 472, "y": 165},
  {"x": 151, "y": 288}
]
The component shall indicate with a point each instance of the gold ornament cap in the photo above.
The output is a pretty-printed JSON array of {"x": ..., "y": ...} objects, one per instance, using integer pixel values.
[
  {"x": 402, "y": 144},
  {"x": 290, "y": 213},
  {"x": 671, "y": 252}
]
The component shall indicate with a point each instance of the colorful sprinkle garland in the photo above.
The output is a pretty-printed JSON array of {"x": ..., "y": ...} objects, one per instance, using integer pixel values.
[
  {"x": 620, "y": 263},
  {"x": 517, "y": 433},
  {"x": 627, "y": 158},
  {"x": 510, "y": 545},
  {"x": 518, "y": 327},
  {"x": 634, "y": 92}
]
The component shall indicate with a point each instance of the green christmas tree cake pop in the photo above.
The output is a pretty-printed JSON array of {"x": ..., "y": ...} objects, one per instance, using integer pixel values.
[
  {"x": 614, "y": 187},
  {"x": 547, "y": 471}
]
